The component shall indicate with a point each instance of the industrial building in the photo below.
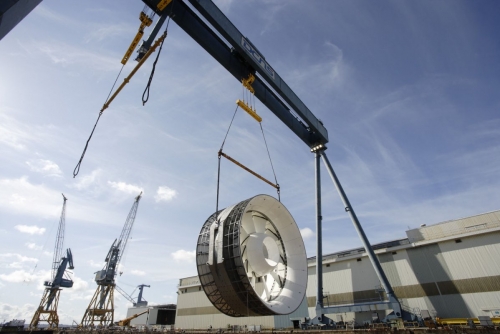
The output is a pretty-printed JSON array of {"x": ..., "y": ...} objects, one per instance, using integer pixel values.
[
  {"x": 450, "y": 269},
  {"x": 163, "y": 315}
]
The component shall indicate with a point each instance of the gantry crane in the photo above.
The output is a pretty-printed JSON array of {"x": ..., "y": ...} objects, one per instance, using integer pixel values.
[
  {"x": 101, "y": 308},
  {"x": 47, "y": 310},
  {"x": 212, "y": 30}
]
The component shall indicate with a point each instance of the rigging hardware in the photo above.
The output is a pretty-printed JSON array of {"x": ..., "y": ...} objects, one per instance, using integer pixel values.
[
  {"x": 118, "y": 90},
  {"x": 247, "y": 83},
  {"x": 145, "y": 22}
]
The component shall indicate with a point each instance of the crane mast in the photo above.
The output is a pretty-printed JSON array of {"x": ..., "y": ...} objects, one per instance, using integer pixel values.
[
  {"x": 101, "y": 308},
  {"x": 47, "y": 310}
]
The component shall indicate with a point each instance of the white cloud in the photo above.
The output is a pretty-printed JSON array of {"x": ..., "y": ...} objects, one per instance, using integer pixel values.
[
  {"x": 45, "y": 167},
  {"x": 138, "y": 273},
  {"x": 19, "y": 262},
  {"x": 8, "y": 311},
  {"x": 87, "y": 180},
  {"x": 12, "y": 133},
  {"x": 19, "y": 276},
  {"x": 67, "y": 55},
  {"x": 21, "y": 196},
  {"x": 79, "y": 285},
  {"x": 33, "y": 229},
  {"x": 127, "y": 188},
  {"x": 107, "y": 31},
  {"x": 32, "y": 245},
  {"x": 165, "y": 194},
  {"x": 306, "y": 233},
  {"x": 184, "y": 256},
  {"x": 94, "y": 264},
  {"x": 19, "y": 257}
]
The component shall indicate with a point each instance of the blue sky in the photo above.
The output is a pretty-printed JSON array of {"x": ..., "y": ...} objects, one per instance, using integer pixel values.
[{"x": 408, "y": 91}]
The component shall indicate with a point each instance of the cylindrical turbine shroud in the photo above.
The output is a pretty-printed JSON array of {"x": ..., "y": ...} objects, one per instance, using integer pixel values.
[{"x": 251, "y": 259}]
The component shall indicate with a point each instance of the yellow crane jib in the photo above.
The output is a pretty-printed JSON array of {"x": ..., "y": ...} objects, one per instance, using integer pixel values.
[
  {"x": 249, "y": 110},
  {"x": 145, "y": 22},
  {"x": 139, "y": 64},
  {"x": 247, "y": 83},
  {"x": 162, "y": 4}
]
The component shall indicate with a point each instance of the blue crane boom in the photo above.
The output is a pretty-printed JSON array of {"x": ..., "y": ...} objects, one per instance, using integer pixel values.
[{"x": 240, "y": 57}]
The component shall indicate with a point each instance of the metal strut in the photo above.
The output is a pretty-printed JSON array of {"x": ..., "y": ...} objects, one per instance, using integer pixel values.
[{"x": 277, "y": 186}]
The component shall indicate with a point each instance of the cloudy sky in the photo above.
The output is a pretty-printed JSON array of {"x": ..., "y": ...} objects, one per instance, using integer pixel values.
[{"x": 408, "y": 91}]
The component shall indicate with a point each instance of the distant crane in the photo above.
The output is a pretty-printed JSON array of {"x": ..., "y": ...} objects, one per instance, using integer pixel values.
[
  {"x": 101, "y": 308},
  {"x": 47, "y": 311},
  {"x": 140, "y": 301}
]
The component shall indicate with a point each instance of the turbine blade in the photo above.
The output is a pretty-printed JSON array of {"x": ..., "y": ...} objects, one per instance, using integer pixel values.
[
  {"x": 259, "y": 223},
  {"x": 248, "y": 226}
]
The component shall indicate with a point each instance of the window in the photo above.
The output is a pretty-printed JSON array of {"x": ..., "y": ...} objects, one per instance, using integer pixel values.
[
  {"x": 359, "y": 260},
  {"x": 458, "y": 241}
]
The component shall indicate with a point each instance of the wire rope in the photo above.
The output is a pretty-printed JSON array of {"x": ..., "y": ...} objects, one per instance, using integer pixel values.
[
  {"x": 271, "y": 161},
  {"x": 77, "y": 168},
  {"x": 145, "y": 95},
  {"x": 219, "y": 156}
]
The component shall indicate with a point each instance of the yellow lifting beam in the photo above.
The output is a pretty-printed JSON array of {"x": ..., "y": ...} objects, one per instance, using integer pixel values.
[
  {"x": 145, "y": 22},
  {"x": 162, "y": 4},
  {"x": 249, "y": 110},
  {"x": 139, "y": 64},
  {"x": 248, "y": 169}
]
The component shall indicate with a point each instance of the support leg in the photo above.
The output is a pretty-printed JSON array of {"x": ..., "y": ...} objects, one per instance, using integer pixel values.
[
  {"x": 391, "y": 296},
  {"x": 319, "y": 241}
]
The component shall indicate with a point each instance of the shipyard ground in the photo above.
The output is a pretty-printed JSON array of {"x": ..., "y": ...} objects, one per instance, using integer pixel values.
[{"x": 450, "y": 330}]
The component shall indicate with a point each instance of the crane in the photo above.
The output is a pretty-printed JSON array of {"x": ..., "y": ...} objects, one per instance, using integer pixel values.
[
  {"x": 101, "y": 307},
  {"x": 214, "y": 32},
  {"x": 126, "y": 321},
  {"x": 47, "y": 310},
  {"x": 140, "y": 301}
]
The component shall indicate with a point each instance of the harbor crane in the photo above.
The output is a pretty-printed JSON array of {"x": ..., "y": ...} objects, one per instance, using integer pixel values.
[
  {"x": 47, "y": 310},
  {"x": 101, "y": 308},
  {"x": 140, "y": 301}
]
